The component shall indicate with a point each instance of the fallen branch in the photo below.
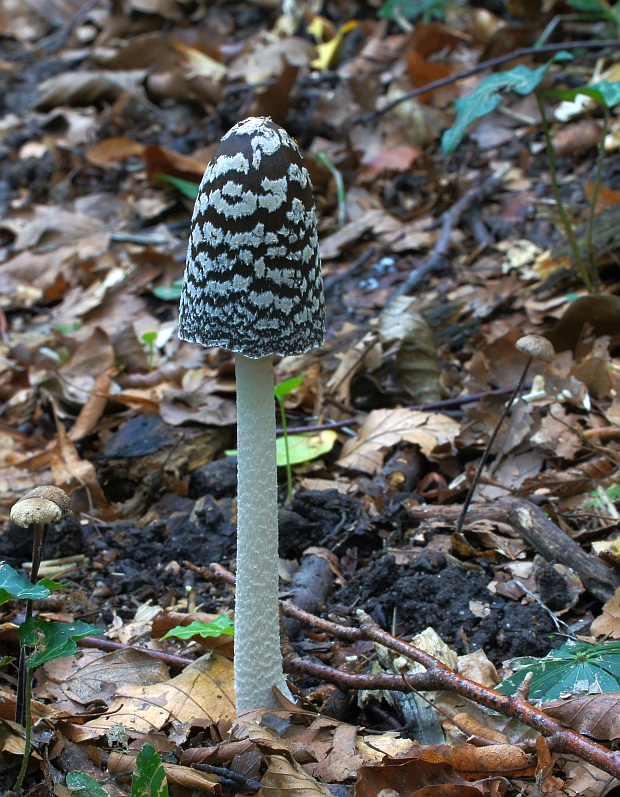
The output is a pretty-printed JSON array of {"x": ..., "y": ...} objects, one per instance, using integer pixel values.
[{"x": 436, "y": 677}]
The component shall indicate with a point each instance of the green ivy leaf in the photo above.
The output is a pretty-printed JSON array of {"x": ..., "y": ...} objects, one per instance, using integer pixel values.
[
  {"x": 53, "y": 640},
  {"x": 14, "y": 585},
  {"x": 149, "y": 777},
  {"x": 575, "y": 668},
  {"x": 488, "y": 95},
  {"x": 82, "y": 785},
  {"x": 222, "y": 625}
]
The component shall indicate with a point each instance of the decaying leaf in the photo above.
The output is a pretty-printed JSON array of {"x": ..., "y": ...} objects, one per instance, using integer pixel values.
[{"x": 386, "y": 428}]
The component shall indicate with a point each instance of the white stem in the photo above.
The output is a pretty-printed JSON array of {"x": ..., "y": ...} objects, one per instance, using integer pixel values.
[{"x": 258, "y": 659}]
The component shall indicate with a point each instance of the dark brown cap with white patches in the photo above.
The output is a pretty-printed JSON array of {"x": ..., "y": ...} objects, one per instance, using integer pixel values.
[{"x": 253, "y": 279}]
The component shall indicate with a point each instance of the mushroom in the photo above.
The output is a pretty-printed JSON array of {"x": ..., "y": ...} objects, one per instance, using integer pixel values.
[
  {"x": 37, "y": 509},
  {"x": 253, "y": 285},
  {"x": 536, "y": 348}
]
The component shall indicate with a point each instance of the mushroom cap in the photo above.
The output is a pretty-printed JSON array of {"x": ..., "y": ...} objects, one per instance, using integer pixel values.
[
  {"x": 31, "y": 511},
  {"x": 536, "y": 347},
  {"x": 253, "y": 280}
]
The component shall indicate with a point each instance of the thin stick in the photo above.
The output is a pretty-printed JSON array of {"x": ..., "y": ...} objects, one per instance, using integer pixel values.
[{"x": 490, "y": 64}]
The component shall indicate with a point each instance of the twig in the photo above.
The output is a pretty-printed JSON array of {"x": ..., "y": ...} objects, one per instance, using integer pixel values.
[
  {"x": 444, "y": 404},
  {"x": 490, "y": 64},
  {"x": 436, "y": 677},
  {"x": 449, "y": 220},
  {"x": 109, "y": 645}
]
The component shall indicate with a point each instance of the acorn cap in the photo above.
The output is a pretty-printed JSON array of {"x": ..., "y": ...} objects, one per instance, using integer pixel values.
[
  {"x": 536, "y": 347},
  {"x": 31, "y": 511},
  {"x": 253, "y": 280}
]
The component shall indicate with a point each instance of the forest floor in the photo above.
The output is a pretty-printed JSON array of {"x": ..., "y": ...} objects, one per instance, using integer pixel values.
[{"x": 438, "y": 255}]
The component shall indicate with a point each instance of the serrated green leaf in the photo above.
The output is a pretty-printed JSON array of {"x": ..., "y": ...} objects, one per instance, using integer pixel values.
[
  {"x": 222, "y": 625},
  {"x": 149, "y": 777},
  {"x": 185, "y": 187},
  {"x": 14, "y": 585},
  {"x": 575, "y": 668},
  {"x": 82, "y": 785},
  {"x": 282, "y": 389},
  {"x": 52, "y": 640}
]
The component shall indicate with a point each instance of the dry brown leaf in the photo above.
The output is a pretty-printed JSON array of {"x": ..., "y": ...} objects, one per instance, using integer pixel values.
[
  {"x": 498, "y": 759},
  {"x": 416, "y": 354},
  {"x": 428, "y": 773},
  {"x": 593, "y": 715},
  {"x": 94, "y": 675},
  {"x": 608, "y": 621},
  {"x": 69, "y": 470},
  {"x": 386, "y": 428},
  {"x": 112, "y": 150},
  {"x": 284, "y": 776},
  {"x": 203, "y": 691},
  {"x": 87, "y": 88}
]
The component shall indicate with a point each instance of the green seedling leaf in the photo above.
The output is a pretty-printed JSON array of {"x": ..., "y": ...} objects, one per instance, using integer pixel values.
[
  {"x": 169, "y": 293},
  {"x": 51, "y": 584},
  {"x": 605, "y": 92},
  {"x": 149, "y": 777},
  {"x": 149, "y": 338},
  {"x": 14, "y": 585},
  {"x": 82, "y": 785},
  {"x": 284, "y": 388},
  {"x": 52, "y": 640},
  {"x": 7, "y": 660},
  {"x": 302, "y": 447},
  {"x": 575, "y": 668},
  {"x": 216, "y": 628},
  {"x": 488, "y": 95},
  {"x": 185, "y": 187},
  {"x": 305, "y": 447}
]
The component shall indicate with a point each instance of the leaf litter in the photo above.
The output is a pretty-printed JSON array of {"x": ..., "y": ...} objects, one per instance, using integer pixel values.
[{"x": 109, "y": 100}]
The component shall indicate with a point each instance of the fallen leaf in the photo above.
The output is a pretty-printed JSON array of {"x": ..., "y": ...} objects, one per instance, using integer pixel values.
[{"x": 386, "y": 428}]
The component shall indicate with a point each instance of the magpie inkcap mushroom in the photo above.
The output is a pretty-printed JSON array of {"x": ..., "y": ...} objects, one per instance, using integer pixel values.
[{"x": 253, "y": 285}]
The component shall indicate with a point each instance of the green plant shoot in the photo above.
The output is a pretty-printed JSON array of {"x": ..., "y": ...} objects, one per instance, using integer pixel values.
[
  {"x": 281, "y": 391},
  {"x": 149, "y": 338},
  {"x": 216, "y": 628}
]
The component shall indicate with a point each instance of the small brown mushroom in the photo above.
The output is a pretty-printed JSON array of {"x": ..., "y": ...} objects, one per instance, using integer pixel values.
[
  {"x": 35, "y": 511},
  {"x": 537, "y": 347}
]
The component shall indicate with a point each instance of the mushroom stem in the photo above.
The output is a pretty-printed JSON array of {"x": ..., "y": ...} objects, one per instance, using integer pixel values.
[
  {"x": 38, "y": 541},
  {"x": 258, "y": 661}
]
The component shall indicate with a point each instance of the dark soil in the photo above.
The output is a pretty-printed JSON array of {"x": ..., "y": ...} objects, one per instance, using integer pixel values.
[
  {"x": 130, "y": 565},
  {"x": 432, "y": 592}
]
